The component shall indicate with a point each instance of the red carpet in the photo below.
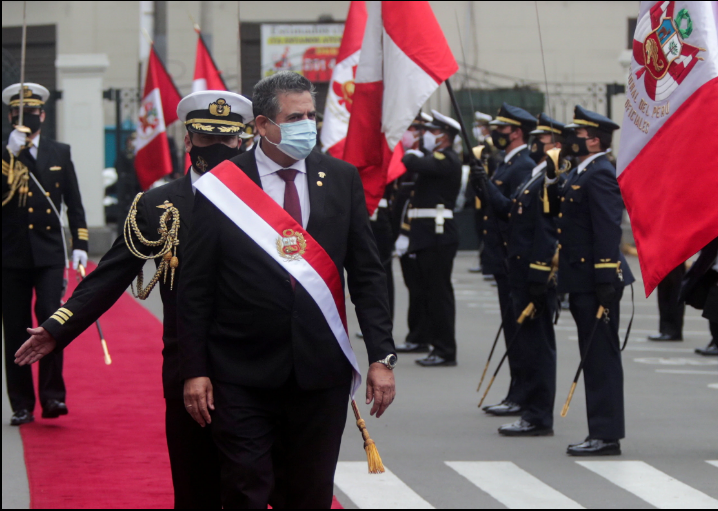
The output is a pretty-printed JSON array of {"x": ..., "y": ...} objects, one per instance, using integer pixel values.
[{"x": 110, "y": 452}]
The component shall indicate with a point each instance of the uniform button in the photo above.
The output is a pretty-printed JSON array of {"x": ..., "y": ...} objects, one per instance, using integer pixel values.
[
  {"x": 583, "y": 260},
  {"x": 506, "y": 243},
  {"x": 30, "y": 210},
  {"x": 48, "y": 228},
  {"x": 29, "y": 194},
  {"x": 559, "y": 231},
  {"x": 518, "y": 257},
  {"x": 57, "y": 185},
  {"x": 560, "y": 246},
  {"x": 485, "y": 231},
  {"x": 560, "y": 215},
  {"x": 49, "y": 211},
  {"x": 571, "y": 199},
  {"x": 486, "y": 218},
  {"x": 31, "y": 226},
  {"x": 563, "y": 199},
  {"x": 47, "y": 194},
  {"x": 526, "y": 192},
  {"x": 509, "y": 215}
]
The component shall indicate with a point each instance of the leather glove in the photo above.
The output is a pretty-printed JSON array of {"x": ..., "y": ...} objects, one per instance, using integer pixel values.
[
  {"x": 79, "y": 257},
  {"x": 402, "y": 245},
  {"x": 539, "y": 296},
  {"x": 479, "y": 179},
  {"x": 606, "y": 294},
  {"x": 16, "y": 141}
]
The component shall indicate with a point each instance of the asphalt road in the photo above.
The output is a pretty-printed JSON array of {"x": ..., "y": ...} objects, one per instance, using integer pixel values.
[{"x": 441, "y": 451}]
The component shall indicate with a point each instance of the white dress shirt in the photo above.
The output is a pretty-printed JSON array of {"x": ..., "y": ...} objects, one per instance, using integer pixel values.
[
  {"x": 194, "y": 176},
  {"x": 538, "y": 168},
  {"x": 35, "y": 145},
  {"x": 582, "y": 166},
  {"x": 274, "y": 185},
  {"x": 508, "y": 157}
]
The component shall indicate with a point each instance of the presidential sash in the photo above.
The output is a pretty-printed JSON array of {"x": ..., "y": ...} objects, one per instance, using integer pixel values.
[{"x": 285, "y": 241}]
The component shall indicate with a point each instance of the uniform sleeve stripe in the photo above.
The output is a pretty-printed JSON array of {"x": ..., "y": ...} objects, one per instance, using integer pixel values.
[
  {"x": 58, "y": 319},
  {"x": 67, "y": 312},
  {"x": 537, "y": 267},
  {"x": 603, "y": 266},
  {"x": 62, "y": 315}
]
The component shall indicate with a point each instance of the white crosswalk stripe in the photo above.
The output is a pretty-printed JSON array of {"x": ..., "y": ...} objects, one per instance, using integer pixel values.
[
  {"x": 650, "y": 484},
  {"x": 385, "y": 491},
  {"x": 714, "y": 463},
  {"x": 512, "y": 486}
]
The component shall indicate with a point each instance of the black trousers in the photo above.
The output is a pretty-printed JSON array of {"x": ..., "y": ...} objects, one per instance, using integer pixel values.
[
  {"x": 602, "y": 370},
  {"x": 384, "y": 237},
  {"x": 416, "y": 315},
  {"x": 193, "y": 458},
  {"x": 714, "y": 331},
  {"x": 535, "y": 347},
  {"x": 516, "y": 392},
  {"x": 435, "y": 267},
  {"x": 670, "y": 309},
  {"x": 278, "y": 446},
  {"x": 18, "y": 286}
]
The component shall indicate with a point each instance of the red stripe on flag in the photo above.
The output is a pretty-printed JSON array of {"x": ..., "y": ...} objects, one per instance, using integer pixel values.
[
  {"x": 670, "y": 188},
  {"x": 248, "y": 192},
  {"x": 353, "y": 30},
  {"x": 153, "y": 162},
  {"x": 413, "y": 28},
  {"x": 205, "y": 67},
  {"x": 158, "y": 77}
]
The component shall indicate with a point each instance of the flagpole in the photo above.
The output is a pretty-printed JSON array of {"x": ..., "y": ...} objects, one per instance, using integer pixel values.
[
  {"x": 21, "y": 127},
  {"x": 464, "y": 133}
]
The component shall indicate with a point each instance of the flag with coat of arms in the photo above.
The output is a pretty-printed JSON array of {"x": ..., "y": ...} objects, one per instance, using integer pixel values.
[{"x": 668, "y": 158}]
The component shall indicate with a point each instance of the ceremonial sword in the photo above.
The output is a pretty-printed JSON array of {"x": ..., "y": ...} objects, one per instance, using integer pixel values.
[{"x": 108, "y": 359}]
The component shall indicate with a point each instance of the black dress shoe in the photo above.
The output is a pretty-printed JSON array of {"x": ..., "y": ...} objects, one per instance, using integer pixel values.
[
  {"x": 709, "y": 351},
  {"x": 664, "y": 337},
  {"x": 54, "y": 409},
  {"x": 410, "y": 347},
  {"x": 22, "y": 417},
  {"x": 595, "y": 448},
  {"x": 505, "y": 409},
  {"x": 475, "y": 270},
  {"x": 436, "y": 361},
  {"x": 485, "y": 408},
  {"x": 523, "y": 428}
]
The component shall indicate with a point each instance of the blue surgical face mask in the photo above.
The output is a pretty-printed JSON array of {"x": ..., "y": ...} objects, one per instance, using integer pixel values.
[{"x": 298, "y": 138}]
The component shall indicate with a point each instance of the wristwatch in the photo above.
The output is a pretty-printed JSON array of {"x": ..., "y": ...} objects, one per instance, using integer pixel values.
[{"x": 390, "y": 361}]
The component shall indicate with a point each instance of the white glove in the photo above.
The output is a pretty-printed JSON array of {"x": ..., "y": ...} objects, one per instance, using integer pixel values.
[
  {"x": 415, "y": 152},
  {"x": 402, "y": 245},
  {"x": 79, "y": 257},
  {"x": 16, "y": 141}
]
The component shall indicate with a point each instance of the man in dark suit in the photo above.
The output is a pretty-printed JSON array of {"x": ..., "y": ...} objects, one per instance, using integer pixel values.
[
  {"x": 434, "y": 237},
  {"x": 594, "y": 272},
  {"x": 511, "y": 129},
  {"x": 38, "y": 177},
  {"x": 260, "y": 360},
  {"x": 193, "y": 456},
  {"x": 700, "y": 290}
]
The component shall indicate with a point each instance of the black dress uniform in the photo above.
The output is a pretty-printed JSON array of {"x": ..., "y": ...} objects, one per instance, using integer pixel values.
[
  {"x": 590, "y": 209},
  {"x": 512, "y": 171},
  {"x": 194, "y": 459},
  {"x": 670, "y": 309},
  {"x": 383, "y": 229},
  {"x": 700, "y": 290},
  {"x": 437, "y": 187},
  {"x": 33, "y": 254}
]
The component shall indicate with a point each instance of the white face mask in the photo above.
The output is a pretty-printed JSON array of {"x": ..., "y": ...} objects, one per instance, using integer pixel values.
[
  {"x": 479, "y": 134},
  {"x": 430, "y": 141}
]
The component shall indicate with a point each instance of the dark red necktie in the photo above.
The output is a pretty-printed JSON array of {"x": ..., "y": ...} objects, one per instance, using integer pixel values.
[{"x": 291, "y": 201}]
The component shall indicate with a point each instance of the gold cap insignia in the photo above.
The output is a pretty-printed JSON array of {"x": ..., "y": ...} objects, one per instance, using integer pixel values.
[
  {"x": 27, "y": 92},
  {"x": 220, "y": 108}
]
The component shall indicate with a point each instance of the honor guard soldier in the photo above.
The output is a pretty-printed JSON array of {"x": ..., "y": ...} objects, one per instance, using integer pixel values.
[
  {"x": 594, "y": 272},
  {"x": 381, "y": 226},
  {"x": 434, "y": 236},
  {"x": 482, "y": 134},
  {"x": 531, "y": 271},
  {"x": 700, "y": 290},
  {"x": 38, "y": 177},
  {"x": 510, "y": 134},
  {"x": 214, "y": 121}
]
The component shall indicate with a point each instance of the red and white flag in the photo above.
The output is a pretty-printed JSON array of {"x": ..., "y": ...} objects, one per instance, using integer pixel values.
[
  {"x": 341, "y": 92},
  {"x": 668, "y": 158},
  {"x": 206, "y": 74},
  {"x": 404, "y": 59},
  {"x": 158, "y": 109}
]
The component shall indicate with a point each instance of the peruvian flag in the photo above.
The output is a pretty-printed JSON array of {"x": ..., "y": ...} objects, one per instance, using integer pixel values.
[
  {"x": 404, "y": 59},
  {"x": 206, "y": 74},
  {"x": 668, "y": 159},
  {"x": 341, "y": 93},
  {"x": 158, "y": 109}
]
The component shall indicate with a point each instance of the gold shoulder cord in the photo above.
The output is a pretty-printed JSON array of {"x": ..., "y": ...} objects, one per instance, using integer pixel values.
[
  {"x": 169, "y": 241},
  {"x": 18, "y": 178}
]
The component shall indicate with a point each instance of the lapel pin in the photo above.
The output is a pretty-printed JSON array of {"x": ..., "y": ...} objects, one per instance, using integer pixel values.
[{"x": 322, "y": 175}]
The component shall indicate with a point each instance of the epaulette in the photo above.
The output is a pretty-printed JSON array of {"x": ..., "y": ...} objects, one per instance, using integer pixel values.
[{"x": 167, "y": 244}]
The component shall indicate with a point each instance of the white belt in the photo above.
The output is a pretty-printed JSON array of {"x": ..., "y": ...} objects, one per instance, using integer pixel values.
[
  {"x": 383, "y": 204},
  {"x": 430, "y": 213}
]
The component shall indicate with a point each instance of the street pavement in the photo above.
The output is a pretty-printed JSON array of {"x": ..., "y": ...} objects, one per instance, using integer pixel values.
[{"x": 441, "y": 451}]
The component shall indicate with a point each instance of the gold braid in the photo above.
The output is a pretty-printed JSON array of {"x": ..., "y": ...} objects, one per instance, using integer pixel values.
[
  {"x": 18, "y": 178},
  {"x": 169, "y": 241}
]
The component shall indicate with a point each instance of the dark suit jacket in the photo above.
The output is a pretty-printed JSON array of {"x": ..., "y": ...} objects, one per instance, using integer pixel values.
[
  {"x": 118, "y": 268},
  {"x": 590, "y": 210},
  {"x": 507, "y": 178},
  {"x": 31, "y": 235},
  {"x": 532, "y": 234},
  {"x": 240, "y": 320}
]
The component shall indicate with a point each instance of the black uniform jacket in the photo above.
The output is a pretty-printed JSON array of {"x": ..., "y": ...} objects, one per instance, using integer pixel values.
[
  {"x": 240, "y": 320},
  {"x": 532, "y": 233},
  {"x": 590, "y": 209},
  {"x": 438, "y": 181},
  {"x": 507, "y": 178},
  {"x": 700, "y": 283},
  {"x": 117, "y": 269},
  {"x": 31, "y": 235}
]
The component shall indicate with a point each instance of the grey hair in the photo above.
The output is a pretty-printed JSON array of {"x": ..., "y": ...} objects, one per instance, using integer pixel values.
[{"x": 265, "y": 97}]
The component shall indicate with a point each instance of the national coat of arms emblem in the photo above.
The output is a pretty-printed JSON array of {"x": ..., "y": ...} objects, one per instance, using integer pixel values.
[{"x": 291, "y": 245}]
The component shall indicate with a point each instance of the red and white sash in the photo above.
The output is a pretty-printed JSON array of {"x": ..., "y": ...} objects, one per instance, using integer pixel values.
[{"x": 285, "y": 241}]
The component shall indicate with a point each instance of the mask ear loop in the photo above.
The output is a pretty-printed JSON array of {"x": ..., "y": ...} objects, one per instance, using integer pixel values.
[{"x": 267, "y": 138}]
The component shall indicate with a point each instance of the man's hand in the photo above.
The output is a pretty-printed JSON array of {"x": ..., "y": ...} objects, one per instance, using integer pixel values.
[
  {"x": 40, "y": 343},
  {"x": 199, "y": 399},
  {"x": 380, "y": 388}
]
